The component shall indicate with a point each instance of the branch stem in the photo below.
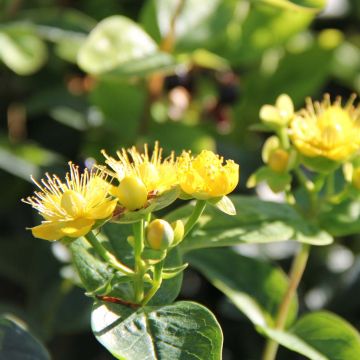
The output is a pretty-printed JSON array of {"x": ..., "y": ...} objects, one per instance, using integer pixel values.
[
  {"x": 156, "y": 282},
  {"x": 194, "y": 217},
  {"x": 296, "y": 272},
  {"x": 138, "y": 228},
  {"x": 106, "y": 255}
]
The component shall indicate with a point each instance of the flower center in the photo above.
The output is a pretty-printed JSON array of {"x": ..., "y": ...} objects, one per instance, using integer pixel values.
[{"x": 73, "y": 203}]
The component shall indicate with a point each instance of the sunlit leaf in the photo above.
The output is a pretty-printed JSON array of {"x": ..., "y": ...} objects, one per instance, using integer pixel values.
[{"x": 184, "y": 330}]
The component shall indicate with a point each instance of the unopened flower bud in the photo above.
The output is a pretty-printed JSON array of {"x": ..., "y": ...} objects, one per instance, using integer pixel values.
[
  {"x": 131, "y": 192},
  {"x": 279, "y": 160},
  {"x": 356, "y": 178},
  {"x": 159, "y": 235},
  {"x": 179, "y": 230}
]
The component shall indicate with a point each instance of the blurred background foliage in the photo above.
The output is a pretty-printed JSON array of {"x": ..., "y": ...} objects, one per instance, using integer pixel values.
[{"x": 191, "y": 74}]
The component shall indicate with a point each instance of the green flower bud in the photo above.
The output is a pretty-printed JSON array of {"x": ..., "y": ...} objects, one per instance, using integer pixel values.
[
  {"x": 159, "y": 235},
  {"x": 279, "y": 160},
  {"x": 179, "y": 230}
]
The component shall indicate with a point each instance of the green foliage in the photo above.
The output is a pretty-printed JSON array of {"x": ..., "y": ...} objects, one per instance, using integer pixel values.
[
  {"x": 320, "y": 336},
  {"x": 192, "y": 75},
  {"x": 96, "y": 275},
  {"x": 342, "y": 219},
  {"x": 256, "y": 221},
  {"x": 183, "y": 330},
  {"x": 22, "y": 50},
  {"x": 113, "y": 42},
  {"x": 255, "y": 287}
]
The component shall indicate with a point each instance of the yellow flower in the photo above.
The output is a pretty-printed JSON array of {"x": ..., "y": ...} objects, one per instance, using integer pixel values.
[
  {"x": 327, "y": 130},
  {"x": 141, "y": 175},
  {"x": 205, "y": 176},
  {"x": 71, "y": 208}
]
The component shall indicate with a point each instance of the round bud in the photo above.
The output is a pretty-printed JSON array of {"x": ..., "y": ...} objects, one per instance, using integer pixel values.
[
  {"x": 159, "y": 235},
  {"x": 279, "y": 160},
  {"x": 131, "y": 192}
]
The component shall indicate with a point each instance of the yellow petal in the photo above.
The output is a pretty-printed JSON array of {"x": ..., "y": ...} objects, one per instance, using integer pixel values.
[
  {"x": 269, "y": 113},
  {"x": 47, "y": 231},
  {"x": 76, "y": 228},
  {"x": 285, "y": 105},
  {"x": 102, "y": 211}
]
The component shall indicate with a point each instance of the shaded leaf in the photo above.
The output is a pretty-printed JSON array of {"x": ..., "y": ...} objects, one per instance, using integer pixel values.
[
  {"x": 342, "y": 219},
  {"x": 16, "y": 343}
]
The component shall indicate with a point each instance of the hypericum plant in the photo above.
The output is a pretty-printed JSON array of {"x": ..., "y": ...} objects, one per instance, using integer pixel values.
[
  {"x": 127, "y": 258},
  {"x": 131, "y": 262}
]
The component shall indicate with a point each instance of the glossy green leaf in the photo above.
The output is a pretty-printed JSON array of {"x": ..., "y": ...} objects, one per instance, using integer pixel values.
[
  {"x": 256, "y": 221},
  {"x": 22, "y": 50},
  {"x": 255, "y": 287},
  {"x": 302, "y": 6},
  {"x": 320, "y": 336},
  {"x": 114, "y": 42},
  {"x": 183, "y": 330},
  {"x": 16, "y": 343}
]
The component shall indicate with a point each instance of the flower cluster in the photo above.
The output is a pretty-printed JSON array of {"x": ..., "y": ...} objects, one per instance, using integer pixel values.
[
  {"x": 85, "y": 200},
  {"x": 321, "y": 137}
]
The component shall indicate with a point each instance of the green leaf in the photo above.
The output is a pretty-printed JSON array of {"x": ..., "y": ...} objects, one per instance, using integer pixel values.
[
  {"x": 124, "y": 113},
  {"x": 266, "y": 27},
  {"x": 16, "y": 343},
  {"x": 115, "y": 41},
  {"x": 117, "y": 237},
  {"x": 277, "y": 181},
  {"x": 92, "y": 271},
  {"x": 184, "y": 330},
  {"x": 256, "y": 221},
  {"x": 304, "y": 6},
  {"x": 320, "y": 336},
  {"x": 22, "y": 50},
  {"x": 196, "y": 25},
  {"x": 255, "y": 287},
  {"x": 156, "y": 62},
  {"x": 224, "y": 204},
  {"x": 342, "y": 219},
  {"x": 178, "y": 136}
]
